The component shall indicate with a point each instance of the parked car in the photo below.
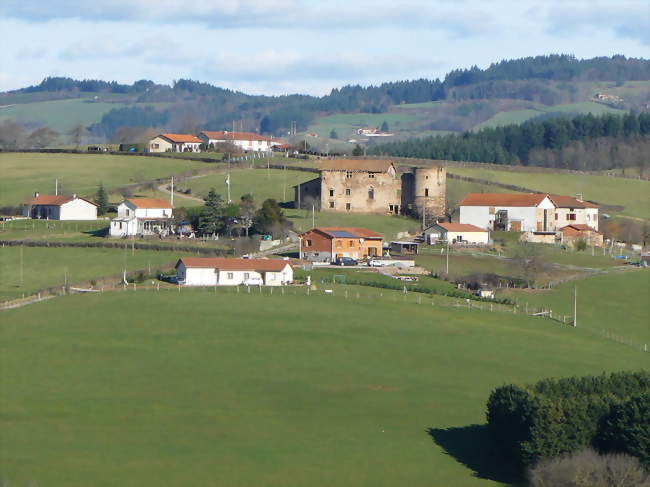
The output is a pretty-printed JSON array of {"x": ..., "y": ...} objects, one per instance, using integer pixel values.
[
  {"x": 254, "y": 281},
  {"x": 345, "y": 261},
  {"x": 378, "y": 263}
]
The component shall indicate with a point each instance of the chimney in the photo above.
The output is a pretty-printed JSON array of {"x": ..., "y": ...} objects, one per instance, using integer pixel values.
[
  {"x": 37, "y": 194},
  {"x": 74, "y": 195},
  {"x": 579, "y": 196}
]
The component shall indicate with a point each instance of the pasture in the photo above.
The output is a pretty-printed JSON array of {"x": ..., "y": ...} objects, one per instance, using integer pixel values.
[
  {"x": 197, "y": 387},
  {"x": 632, "y": 194},
  {"x": 25, "y": 173}
]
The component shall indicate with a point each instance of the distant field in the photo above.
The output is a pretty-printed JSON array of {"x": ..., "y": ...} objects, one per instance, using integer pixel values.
[
  {"x": 25, "y": 173},
  {"x": 633, "y": 195},
  {"x": 46, "y": 267},
  {"x": 176, "y": 389},
  {"x": 63, "y": 115},
  {"x": 346, "y": 125}
]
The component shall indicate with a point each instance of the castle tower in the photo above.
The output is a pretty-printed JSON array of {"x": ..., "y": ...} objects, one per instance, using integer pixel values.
[{"x": 430, "y": 192}]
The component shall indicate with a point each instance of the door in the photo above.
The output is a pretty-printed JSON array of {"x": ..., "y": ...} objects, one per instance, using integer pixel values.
[{"x": 515, "y": 226}]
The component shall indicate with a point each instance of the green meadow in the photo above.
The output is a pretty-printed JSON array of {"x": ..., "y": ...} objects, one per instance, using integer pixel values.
[{"x": 201, "y": 387}]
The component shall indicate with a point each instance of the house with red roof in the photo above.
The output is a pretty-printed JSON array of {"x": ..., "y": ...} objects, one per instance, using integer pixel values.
[
  {"x": 142, "y": 217},
  {"x": 456, "y": 233},
  {"x": 175, "y": 143},
  {"x": 217, "y": 271},
  {"x": 327, "y": 244},
  {"x": 246, "y": 141},
  {"x": 59, "y": 207},
  {"x": 579, "y": 231}
]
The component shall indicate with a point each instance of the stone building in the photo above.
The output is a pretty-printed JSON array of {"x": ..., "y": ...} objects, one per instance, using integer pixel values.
[{"x": 375, "y": 186}]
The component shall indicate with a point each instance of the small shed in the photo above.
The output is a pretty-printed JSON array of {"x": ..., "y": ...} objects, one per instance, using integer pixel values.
[
  {"x": 402, "y": 247},
  {"x": 456, "y": 233}
]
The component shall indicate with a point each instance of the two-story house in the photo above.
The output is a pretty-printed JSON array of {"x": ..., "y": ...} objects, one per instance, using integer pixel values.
[
  {"x": 246, "y": 141},
  {"x": 326, "y": 244},
  {"x": 142, "y": 217}
]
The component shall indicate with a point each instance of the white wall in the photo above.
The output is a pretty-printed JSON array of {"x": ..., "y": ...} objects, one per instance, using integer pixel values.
[
  {"x": 480, "y": 216},
  {"x": 123, "y": 228},
  {"x": 471, "y": 237},
  {"x": 200, "y": 276},
  {"x": 141, "y": 212},
  {"x": 163, "y": 145},
  {"x": 78, "y": 209}
]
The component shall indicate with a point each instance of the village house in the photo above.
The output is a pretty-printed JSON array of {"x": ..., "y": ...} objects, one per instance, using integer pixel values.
[
  {"x": 58, "y": 207},
  {"x": 375, "y": 186},
  {"x": 326, "y": 244},
  {"x": 214, "y": 271},
  {"x": 526, "y": 212},
  {"x": 175, "y": 143},
  {"x": 142, "y": 217},
  {"x": 456, "y": 233},
  {"x": 579, "y": 231},
  {"x": 246, "y": 141}
]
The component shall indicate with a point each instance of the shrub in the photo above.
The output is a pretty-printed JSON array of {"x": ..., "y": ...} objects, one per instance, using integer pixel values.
[
  {"x": 627, "y": 428},
  {"x": 581, "y": 244}
]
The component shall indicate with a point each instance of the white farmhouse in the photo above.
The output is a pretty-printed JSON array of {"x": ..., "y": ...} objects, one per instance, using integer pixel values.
[
  {"x": 53, "y": 207},
  {"x": 175, "y": 143},
  {"x": 213, "y": 271},
  {"x": 142, "y": 217},
  {"x": 246, "y": 141},
  {"x": 456, "y": 233}
]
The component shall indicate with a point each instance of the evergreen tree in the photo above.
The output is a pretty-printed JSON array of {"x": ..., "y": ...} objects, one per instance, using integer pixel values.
[
  {"x": 102, "y": 200},
  {"x": 333, "y": 134},
  {"x": 212, "y": 218},
  {"x": 357, "y": 151},
  {"x": 271, "y": 219},
  {"x": 384, "y": 126}
]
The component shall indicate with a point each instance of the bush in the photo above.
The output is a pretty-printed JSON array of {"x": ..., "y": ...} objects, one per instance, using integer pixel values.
[
  {"x": 627, "y": 428},
  {"x": 581, "y": 244},
  {"x": 588, "y": 468}
]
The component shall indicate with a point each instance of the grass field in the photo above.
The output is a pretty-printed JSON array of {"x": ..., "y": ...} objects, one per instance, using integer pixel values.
[
  {"x": 25, "y": 173},
  {"x": 63, "y": 115},
  {"x": 48, "y": 267},
  {"x": 198, "y": 388},
  {"x": 633, "y": 195}
]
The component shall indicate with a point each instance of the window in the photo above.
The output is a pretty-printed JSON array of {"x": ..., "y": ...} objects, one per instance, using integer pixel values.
[
  {"x": 571, "y": 216},
  {"x": 347, "y": 206},
  {"x": 491, "y": 210},
  {"x": 371, "y": 193},
  {"x": 348, "y": 192},
  {"x": 350, "y": 243},
  {"x": 348, "y": 174},
  {"x": 588, "y": 217},
  {"x": 339, "y": 243},
  {"x": 307, "y": 243},
  {"x": 128, "y": 212},
  {"x": 371, "y": 175},
  {"x": 120, "y": 225},
  {"x": 426, "y": 177},
  {"x": 556, "y": 216},
  {"x": 231, "y": 275},
  {"x": 331, "y": 204},
  {"x": 246, "y": 275},
  {"x": 155, "y": 146},
  {"x": 331, "y": 192},
  {"x": 426, "y": 192}
]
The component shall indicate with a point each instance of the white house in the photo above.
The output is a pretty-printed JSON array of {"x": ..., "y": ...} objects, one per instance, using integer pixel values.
[
  {"x": 246, "y": 141},
  {"x": 215, "y": 271},
  {"x": 533, "y": 212},
  {"x": 456, "y": 233},
  {"x": 142, "y": 217},
  {"x": 175, "y": 143},
  {"x": 52, "y": 207}
]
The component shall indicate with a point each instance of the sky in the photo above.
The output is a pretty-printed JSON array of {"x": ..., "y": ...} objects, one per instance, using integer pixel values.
[{"x": 301, "y": 46}]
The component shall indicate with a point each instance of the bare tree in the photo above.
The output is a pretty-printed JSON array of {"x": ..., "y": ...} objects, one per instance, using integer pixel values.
[
  {"x": 42, "y": 137},
  {"x": 77, "y": 134},
  {"x": 528, "y": 257},
  {"x": 12, "y": 135}
]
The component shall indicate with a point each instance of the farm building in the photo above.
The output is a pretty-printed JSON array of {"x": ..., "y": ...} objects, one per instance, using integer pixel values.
[
  {"x": 142, "y": 217},
  {"x": 246, "y": 141},
  {"x": 404, "y": 247},
  {"x": 326, "y": 244},
  {"x": 175, "y": 143},
  {"x": 214, "y": 271},
  {"x": 55, "y": 207},
  {"x": 375, "y": 186},
  {"x": 536, "y": 213},
  {"x": 456, "y": 233},
  {"x": 579, "y": 231}
]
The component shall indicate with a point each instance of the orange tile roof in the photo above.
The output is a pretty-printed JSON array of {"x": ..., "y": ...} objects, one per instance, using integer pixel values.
[
  {"x": 226, "y": 135},
  {"x": 52, "y": 200},
  {"x": 356, "y": 165},
  {"x": 502, "y": 199},
  {"x": 149, "y": 203},
  {"x": 581, "y": 227},
  {"x": 570, "y": 202},
  {"x": 461, "y": 227},
  {"x": 264, "y": 265},
  {"x": 180, "y": 138},
  {"x": 357, "y": 231}
]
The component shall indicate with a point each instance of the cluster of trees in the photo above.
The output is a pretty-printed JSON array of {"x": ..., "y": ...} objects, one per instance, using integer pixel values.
[
  {"x": 243, "y": 217},
  {"x": 57, "y": 83},
  {"x": 135, "y": 116},
  {"x": 513, "y": 144},
  {"x": 555, "y": 417},
  {"x": 15, "y": 136}
]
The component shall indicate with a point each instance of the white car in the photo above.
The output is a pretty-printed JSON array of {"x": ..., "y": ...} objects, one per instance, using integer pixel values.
[{"x": 254, "y": 281}]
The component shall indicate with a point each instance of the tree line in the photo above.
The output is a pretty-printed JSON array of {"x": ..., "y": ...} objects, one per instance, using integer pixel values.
[{"x": 513, "y": 144}]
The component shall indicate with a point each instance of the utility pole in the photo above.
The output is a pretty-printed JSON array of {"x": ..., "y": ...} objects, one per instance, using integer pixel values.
[
  {"x": 447, "y": 256},
  {"x": 284, "y": 183},
  {"x": 575, "y": 306},
  {"x": 21, "y": 266},
  {"x": 172, "y": 193},
  {"x": 56, "y": 187},
  {"x": 313, "y": 216}
]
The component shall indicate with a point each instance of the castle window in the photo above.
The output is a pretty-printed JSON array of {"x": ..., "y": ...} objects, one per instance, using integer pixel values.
[
  {"x": 347, "y": 206},
  {"x": 348, "y": 192},
  {"x": 371, "y": 175},
  {"x": 331, "y": 204},
  {"x": 426, "y": 177},
  {"x": 348, "y": 174},
  {"x": 371, "y": 193},
  {"x": 331, "y": 192},
  {"x": 426, "y": 192}
]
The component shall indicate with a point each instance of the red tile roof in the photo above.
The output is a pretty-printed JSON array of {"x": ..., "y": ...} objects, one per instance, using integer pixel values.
[
  {"x": 226, "y": 135},
  {"x": 502, "y": 199},
  {"x": 180, "y": 138},
  {"x": 264, "y": 265},
  {"x": 52, "y": 200},
  {"x": 461, "y": 227},
  {"x": 149, "y": 203},
  {"x": 356, "y": 231},
  {"x": 570, "y": 202},
  {"x": 356, "y": 165},
  {"x": 581, "y": 227}
]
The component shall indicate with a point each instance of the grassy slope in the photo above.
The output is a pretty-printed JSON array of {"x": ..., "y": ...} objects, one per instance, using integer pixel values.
[
  {"x": 23, "y": 174},
  {"x": 634, "y": 195},
  {"x": 156, "y": 388},
  {"x": 46, "y": 267},
  {"x": 62, "y": 115},
  {"x": 616, "y": 303}
]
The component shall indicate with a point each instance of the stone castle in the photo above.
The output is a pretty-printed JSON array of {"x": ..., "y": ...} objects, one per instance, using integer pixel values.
[{"x": 376, "y": 186}]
